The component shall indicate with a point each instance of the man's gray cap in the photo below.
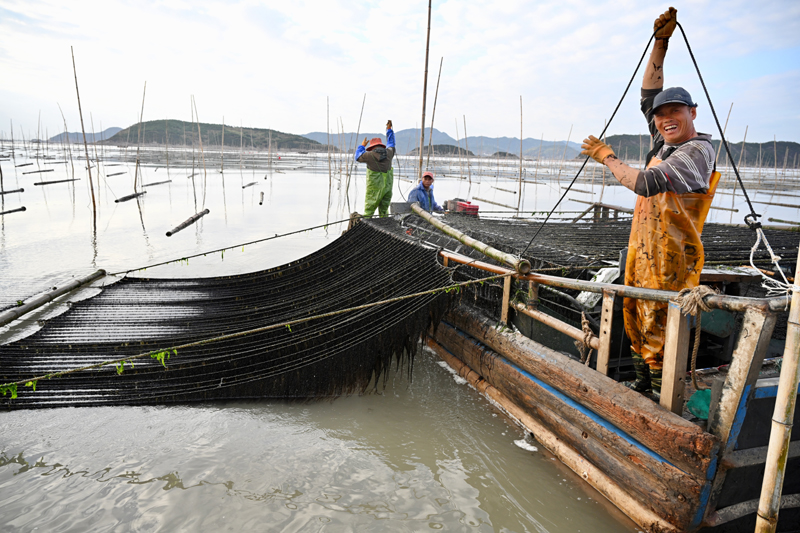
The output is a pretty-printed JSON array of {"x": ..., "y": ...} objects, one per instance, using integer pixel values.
[{"x": 673, "y": 95}]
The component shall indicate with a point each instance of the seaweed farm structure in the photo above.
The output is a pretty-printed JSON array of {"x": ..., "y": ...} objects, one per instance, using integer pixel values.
[
  {"x": 304, "y": 330},
  {"x": 544, "y": 342}
]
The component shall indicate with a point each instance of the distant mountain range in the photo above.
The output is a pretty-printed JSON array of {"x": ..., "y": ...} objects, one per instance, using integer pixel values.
[
  {"x": 77, "y": 137},
  {"x": 408, "y": 140}
]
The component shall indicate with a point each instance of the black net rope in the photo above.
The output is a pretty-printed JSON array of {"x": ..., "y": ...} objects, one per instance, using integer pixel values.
[{"x": 332, "y": 355}]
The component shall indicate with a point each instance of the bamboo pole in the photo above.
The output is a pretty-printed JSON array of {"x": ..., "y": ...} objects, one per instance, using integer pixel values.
[
  {"x": 139, "y": 140},
  {"x": 202, "y": 154},
  {"x": 424, "y": 92},
  {"x": 522, "y": 266},
  {"x": 783, "y": 415},
  {"x": 222, "y": 151},
  {"x": 189, "y": 221},
  {"x": 85, "y": 146},
  {"x": 16, "y": 312},
  {"x": 519, "y": 199},
  {"x": 433, "y": 115},
  {"x": 466, "y": 153}
]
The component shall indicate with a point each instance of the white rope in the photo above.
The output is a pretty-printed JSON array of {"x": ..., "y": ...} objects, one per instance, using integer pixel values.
[{"x": 774, "y": 287}]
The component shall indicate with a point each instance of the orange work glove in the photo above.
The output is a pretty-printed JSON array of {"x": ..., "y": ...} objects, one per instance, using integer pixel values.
[
  {"x": 389, "y": 125},
  {"x": 365, "y": 142},
  {"x": 596, "y": 149},
  {"x": 665, "y": 24}
]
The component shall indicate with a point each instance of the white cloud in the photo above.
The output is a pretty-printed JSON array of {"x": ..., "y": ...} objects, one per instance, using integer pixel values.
[{"x": 272, "y": 64}]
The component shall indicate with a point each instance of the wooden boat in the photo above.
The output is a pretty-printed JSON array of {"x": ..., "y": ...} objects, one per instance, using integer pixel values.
[{"x": 666, "y": 472}]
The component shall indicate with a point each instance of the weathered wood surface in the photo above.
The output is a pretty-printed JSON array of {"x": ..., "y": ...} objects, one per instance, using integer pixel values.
[
  {"x": 726, "y": 418},
  {"x": 668, "y": 491},
  {"x": 679, "y": 441},
  {"x": 606, "y": 318},
  {"x": 598, "y": 479},
  {"x": 676, "y": 353}
]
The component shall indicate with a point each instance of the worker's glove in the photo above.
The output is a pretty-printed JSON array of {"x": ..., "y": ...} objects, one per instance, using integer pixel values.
[
  {"x": 596, "y": 149},
  {"x": 665, "y": 24},
  {"x": 389, "y": 125},
  {"x": 365, "y": 142}
]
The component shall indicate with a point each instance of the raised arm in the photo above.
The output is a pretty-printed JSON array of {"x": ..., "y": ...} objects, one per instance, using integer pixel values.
[{"x": 663, "y": 28}]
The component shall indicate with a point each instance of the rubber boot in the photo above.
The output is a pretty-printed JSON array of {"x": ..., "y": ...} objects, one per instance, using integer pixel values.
[
  {"x": 655, "y": 382},
  {"x": 642, "y": 383}
]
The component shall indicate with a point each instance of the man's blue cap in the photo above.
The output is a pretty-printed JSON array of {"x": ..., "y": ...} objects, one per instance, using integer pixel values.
[{"x": 673, "y": 95}]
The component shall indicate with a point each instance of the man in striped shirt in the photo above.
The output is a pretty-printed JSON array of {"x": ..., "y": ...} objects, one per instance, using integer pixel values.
[{"x": 674, "y": 195}]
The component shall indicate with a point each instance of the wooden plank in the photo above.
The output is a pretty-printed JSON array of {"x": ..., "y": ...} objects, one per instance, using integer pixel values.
[
  {"x": 632, "y": 507},
  {"x": 727, "y": 417},
  {"x": 658, "y": 485},
  {"x": 606, "y": 317},
  {"x": 506, "y": 299},
  {"x": 682, "y": 443},
  {"x": 676, "y": 352}
]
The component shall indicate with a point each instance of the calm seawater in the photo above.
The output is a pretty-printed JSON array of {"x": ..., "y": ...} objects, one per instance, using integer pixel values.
[{"x": 425, "y": 454}]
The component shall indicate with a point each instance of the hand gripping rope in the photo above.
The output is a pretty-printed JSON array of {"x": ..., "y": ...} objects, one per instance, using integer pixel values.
[{"x": 773, "y": 286}]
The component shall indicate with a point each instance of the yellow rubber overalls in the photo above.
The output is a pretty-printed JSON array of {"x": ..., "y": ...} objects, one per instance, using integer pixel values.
[{"x": 664, "y": 252}]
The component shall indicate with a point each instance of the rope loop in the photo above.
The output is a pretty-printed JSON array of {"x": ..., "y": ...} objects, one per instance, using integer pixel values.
[{"x": 752, "y": 223}]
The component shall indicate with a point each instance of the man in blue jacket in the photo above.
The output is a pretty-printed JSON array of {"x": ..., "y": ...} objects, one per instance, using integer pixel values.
[
  {"x": 423, "y": 194},
  {"x": 380, "y": 174}
]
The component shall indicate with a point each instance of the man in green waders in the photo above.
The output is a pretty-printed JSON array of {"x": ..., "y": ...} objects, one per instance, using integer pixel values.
[{"x": 380, "y": 175}]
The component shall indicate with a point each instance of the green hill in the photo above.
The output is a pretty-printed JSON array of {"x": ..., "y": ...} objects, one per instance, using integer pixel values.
[
  {"x": 442, "y": 149},
  {"x": 178, "y": 132},
  {"x": 627, "y": 147}
]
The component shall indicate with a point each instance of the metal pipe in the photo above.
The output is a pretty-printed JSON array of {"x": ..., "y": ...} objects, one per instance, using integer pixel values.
[
  {"x": 16, "y": 312},
  {"x": 781, "y": 432},
  {"x": 522, "y": 266}
]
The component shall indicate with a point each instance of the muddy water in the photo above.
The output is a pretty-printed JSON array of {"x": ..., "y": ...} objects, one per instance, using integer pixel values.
[{"x": 424, "y": 454}]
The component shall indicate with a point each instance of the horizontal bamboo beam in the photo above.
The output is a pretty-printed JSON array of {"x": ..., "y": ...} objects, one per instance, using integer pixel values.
[
  {"x": 189, "y": 221},
  {"x": 129, "y": 197},
  {"x": 738, "y": 510},
  {"x": 494, "y": 203},
  {"x": 51, "y": 182},
  {"x": 522, "y": 266},
  {"x": 563, "y": 327},
  {"x": 11, "y": 192},
  {"x": 719, "y": 301},
  {"x": 14, "y": 313},
  {"x": 17, "y": 210}
]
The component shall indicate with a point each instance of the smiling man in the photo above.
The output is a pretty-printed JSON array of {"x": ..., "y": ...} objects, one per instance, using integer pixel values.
[{"x": 674, "y": 195}]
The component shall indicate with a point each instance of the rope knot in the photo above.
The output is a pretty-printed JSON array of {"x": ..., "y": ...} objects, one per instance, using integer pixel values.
[{"x": 692, "y": 300}]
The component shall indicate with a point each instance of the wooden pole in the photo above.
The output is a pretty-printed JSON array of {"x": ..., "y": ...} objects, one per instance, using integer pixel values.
[
  {"x": 519, "y": 199},
  {"x": 424, "y": 93},
  {"x": 783, "y": 415},
  {"x": 139, "y": 140},
  {"x": 466, "y": 153},
  {"x": 433, "y": 115},
  {"x": 85, "y": 145}
]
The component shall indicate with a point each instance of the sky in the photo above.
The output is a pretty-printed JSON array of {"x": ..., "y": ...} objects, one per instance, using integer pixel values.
[{"x": 280, "y": 64}]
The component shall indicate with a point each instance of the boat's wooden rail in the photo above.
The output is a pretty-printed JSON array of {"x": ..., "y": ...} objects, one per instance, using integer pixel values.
[{"x": 759, "y": 317}]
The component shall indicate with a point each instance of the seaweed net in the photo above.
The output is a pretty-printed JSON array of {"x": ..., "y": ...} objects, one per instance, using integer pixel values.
[{"x": 322, "y": 357}]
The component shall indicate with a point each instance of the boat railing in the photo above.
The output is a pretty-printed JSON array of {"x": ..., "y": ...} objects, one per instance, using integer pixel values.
[{"x": 759, "y": 312}]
